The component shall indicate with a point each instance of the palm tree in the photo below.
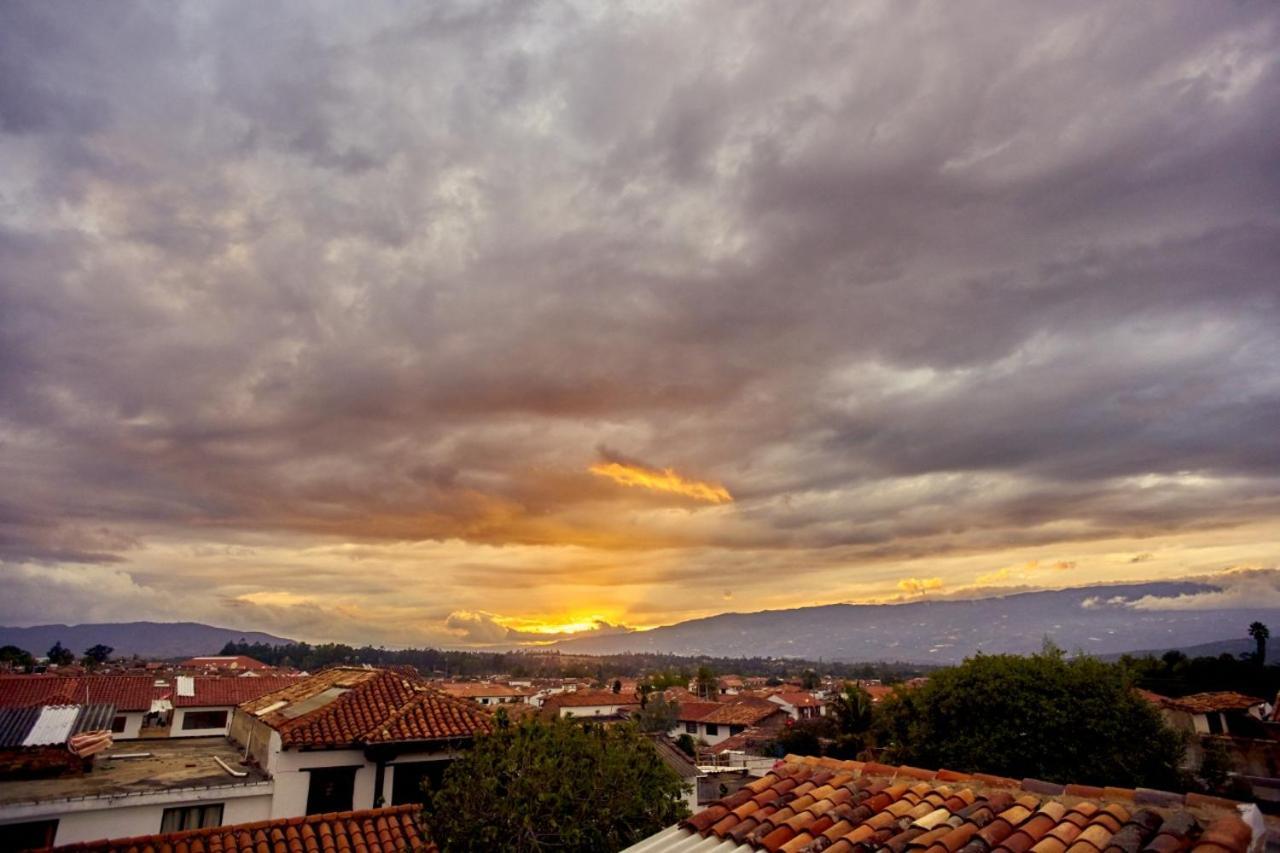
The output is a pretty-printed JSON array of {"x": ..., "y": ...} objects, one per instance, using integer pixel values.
[
  {"x": 851, "y": 708},
  {"x": 1260, "y": 634}
]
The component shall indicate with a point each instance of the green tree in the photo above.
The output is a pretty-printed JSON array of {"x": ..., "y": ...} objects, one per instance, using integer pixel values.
[
  {"x": 1041, "y": 716},
  {"x": 809, "y": 679},
  {"x": 657, "y": 715},
  {"x": 1260, "y": 634},
  {"x": 16, "y": 657},
  {"x": 617, "y": 685},
  {"x": 687, "y": 744},
  {"x": 852, "y": 708},
  {"x": 558, "y": 785},
  {"x": 96, "y": 656},
  {"x": 60, "y": 655},
  {"x": 1215, "y": 766},
  {"x": 706, "y": 684}
]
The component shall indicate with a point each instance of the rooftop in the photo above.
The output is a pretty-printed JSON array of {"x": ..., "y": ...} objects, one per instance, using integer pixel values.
[
  {"x": 125, "y": 692},
  {"x": 167, "y": 765},
  {"x": 387, "y": 830},
  {"x": 346, "y": 706},
  {"x": 821, "y": 804},
  {"x": 225, "y": 690},
  {"x": 1208, "y": 703},
  {"x": 743, "y": 712}
]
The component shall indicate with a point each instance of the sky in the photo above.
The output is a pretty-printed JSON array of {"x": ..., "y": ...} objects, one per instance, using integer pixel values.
[{"x": 470, "y": 324}]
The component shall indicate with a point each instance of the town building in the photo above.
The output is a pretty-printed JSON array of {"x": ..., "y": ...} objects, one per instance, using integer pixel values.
[
  {"x": 713, "y": 722},
  {"x": 353, "y": 738},
  {"x": 592, "y": 704},
  {"x": 799, "y": 706},
  {"x": 487, "y": 692}
]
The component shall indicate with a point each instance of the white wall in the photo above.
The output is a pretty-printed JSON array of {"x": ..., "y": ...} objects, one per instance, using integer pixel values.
[
  {"x": 590, "y": 711},
  {"x": 176, "y": 730},
  {"x": 132, "y": 725},
  {"x": 123, "y": 817},
  {"x": 292, "y": 781}
]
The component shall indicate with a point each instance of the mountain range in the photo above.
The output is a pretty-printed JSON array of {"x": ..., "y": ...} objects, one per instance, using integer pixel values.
[
  {"x": 1099, "y": 620},
  {"x": 147, "y": 639}
]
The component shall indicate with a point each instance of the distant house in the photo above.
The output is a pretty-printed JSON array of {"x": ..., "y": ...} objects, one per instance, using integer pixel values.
[
  {"x": 596, "y": 704},
  {"x": 350, "y": 738},
  {"x": 132, "y": 696},
  {"x": 229, "y": 663},
  {"x": 203, "y": 706},
  {"x": 717, "y": 721},
  {"x": 799, "y": 706},
  {"x": 1220, "y": 713},
  {"x": 682, "y": 766},
  {"x": 487, "y": 692}
]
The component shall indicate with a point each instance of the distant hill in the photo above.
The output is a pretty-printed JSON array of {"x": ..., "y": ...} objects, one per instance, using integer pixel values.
[
  {"x": 1099, "y": 620},
  {"x": 147, "y": 639},
  {"x": 1235, "y": 648}
]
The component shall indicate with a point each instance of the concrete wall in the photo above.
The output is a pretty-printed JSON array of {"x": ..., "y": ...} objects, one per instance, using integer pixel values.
[
  {"x": 123, "y": 817},
  {"x": 590, "y": 711},
  {"x": 132, "y": 725},
  {"x": 292, "y": 781},
  {"x": 179, "y": 714}
]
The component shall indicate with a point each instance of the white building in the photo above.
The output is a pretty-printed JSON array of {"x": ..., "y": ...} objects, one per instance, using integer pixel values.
[{"x": 353, "y": 738}]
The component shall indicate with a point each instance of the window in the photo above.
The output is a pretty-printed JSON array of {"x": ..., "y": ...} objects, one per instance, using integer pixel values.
[
  {"x": 1215, "y": 723},
  {"x": 737, "y": 730},
  {"x": 118, "y": 723},
  {"x": 204, "y": 720},
  {"x": 34, "y": 835},
  {"x": 332, "y": 789},
  {"x": 712, "y": 729},
  {"x": 407, "y": 779},
  {"x": 191, "y": 817},
  {"x": 691, "y": 728}
]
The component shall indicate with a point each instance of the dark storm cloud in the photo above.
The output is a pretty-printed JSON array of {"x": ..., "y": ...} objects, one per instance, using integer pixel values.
[{"x": 906, "y": 278}]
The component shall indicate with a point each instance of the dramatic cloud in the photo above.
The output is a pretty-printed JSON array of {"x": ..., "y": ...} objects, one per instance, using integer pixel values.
[{"x": 317, "y": 318}]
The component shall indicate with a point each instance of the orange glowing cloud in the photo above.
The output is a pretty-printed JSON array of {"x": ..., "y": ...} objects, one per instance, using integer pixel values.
[{"x": 661, "y": 480}]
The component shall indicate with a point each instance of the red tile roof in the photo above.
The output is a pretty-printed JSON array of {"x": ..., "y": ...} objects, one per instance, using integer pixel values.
[
  {"x": 692, "y": 712},
  {"x": 388, "y": 830},
  {"x": 230, "y": 689},
  {"x": 240, "y": 662},
  {"x": 126, "y": 692},
  {"x": 847, "y": 806},
  {"x": 1207, "y": 703},
  {"x": 588, "y": 698},
  {"x": 481, "y": 689},
  {"x": 800, "y": 700},
  {"x": 378, "y": 706},
  {"x": 744, "y": 712}
]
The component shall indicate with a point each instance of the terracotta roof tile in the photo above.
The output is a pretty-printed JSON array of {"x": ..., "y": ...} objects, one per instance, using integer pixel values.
[
  {"x": 796, "y": 808},
  {"x": 388, "y": 830},
  {"x": 126, "y": 692},
  {"x": 366, "y": 706}
]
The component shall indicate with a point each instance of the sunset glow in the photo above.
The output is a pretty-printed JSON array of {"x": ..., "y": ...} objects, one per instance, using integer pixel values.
[{"x": 662, "y": 480}]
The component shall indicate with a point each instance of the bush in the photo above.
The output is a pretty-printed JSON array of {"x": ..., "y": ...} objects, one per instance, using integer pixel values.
[
  {"x": 558, "y": 785},
  {"x": 1040, "y": 716}
]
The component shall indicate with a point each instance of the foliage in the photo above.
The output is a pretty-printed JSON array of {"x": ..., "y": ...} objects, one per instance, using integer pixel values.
[
  {"x": 96, "y": 655},
  {"x": 1174, "y": 674},
  {"x": 662, "y": 670},
  {"x": 809, "y": 679},
  {"x": 1041, "y": 716},
  {"x": 617, "y": 686},
  {"x": 556, "y": 785},
  {"x": 1215, "y": 765},
  {"x": 16, "y": 657},
  {"x": 851, "y": 708},
  {"x": 1260, "y": 634},
  {"x": 687, "y": 744},
  {"x": 60, "y": 655},
  {"x": 803, "y": 737},
  {"x": 657, "y": 715},
  {"x": 706, "y": 684}
]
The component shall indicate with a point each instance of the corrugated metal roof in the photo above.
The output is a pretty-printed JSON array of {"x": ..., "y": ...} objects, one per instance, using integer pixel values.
[
  {"x": 15, "y": 723},
  {"x": 94, "y": 718},
  {"x": 676, "y": 840},
  {"x": 53, "y": 726}
]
